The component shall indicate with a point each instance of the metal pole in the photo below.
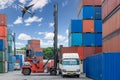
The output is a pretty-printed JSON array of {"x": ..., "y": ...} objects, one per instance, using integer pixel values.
[
  {"x": 55, "y": 35},
  {"x": 14, "y": 44}
]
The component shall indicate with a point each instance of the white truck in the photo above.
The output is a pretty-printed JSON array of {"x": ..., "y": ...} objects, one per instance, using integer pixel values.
[{"x": 70, "y": 65}]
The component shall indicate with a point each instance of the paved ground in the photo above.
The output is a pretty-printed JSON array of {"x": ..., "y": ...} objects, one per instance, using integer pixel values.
[{"x": 16, "y": 75}]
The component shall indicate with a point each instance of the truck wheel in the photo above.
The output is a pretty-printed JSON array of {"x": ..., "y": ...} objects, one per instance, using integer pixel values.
[
  {"x": 78, "y": 76},
  {"x": 26, "y": 71}
]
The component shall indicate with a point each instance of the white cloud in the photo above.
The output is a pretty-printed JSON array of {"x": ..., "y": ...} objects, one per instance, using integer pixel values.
[
  {"x": 39, "y": 4},
  {"x": 27, "y": 24},
  {"x": 67, "y": 32},
  {"x": 6, "y": 3},
  {"x": 64, "y": 3},
  {"x": 33, "y": 19},
  {"x": 51, "y": 24},
  {"x": 18, "y": 21},
  {"x": 22, "y": 1},
  {"x": 19, "y": 44},
  {"x": 49, "y": 35},
  {"x": 61, "y": 38},
  {"x": 24, "y": 36},
  {"x": 45, "y": 44}
]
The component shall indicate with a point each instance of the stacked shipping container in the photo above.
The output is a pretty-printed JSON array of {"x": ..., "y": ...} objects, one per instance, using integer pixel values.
[
  {"x": 35, "y": 46},
  {"x": 111, "y": 25},
  {"x": 3, "y": 44},
  {"x": 85, "y": 35},
  {"x": 11, "y": 57}
]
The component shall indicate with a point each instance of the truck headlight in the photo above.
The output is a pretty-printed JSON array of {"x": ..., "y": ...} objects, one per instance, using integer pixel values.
[{"x": 78, "y": 70}]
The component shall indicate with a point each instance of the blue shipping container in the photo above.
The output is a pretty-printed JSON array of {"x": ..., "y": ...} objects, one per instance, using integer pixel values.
[
  {"x": 12, "y": 59},
  {"x": 38, "y": 53},
  {"x": 9, "y": 31},
  {"x": 10, "y": 38},
  {"x": 10, "y": 66},
  {"x": 98, "y": 13},
  {"x": 76, "y": 26},
  {"x": 98, "y": 26},
  {"x": 20, "y": 58},
  {"x": 98, "y": 39},
  {"x": 88, "y": 39},
  {"x": 87, "y": 12},
  {"x": 28, "y": 41},
  {"x": 2, "y": 45},
  {"x": 76, "y": 39},
  {"x": 10, "y": 43},
  {"x": 103, "y": 66}
]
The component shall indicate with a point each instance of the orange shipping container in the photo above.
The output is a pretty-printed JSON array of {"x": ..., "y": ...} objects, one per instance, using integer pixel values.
[
  {"x": 112, "y": 24},
  {"x": 3, "y": 20},
  {"x": 88, "y": 25},
  {"x": 80, "y": 53},
  {"x": 88, "y": 51},
  {"x": 108, "y": 6},
  {"x": 112, "y": 45},
  {"x": 69, "y": 50},
  {"x": 98, "y": 50},
  {"x": 89, "y": 3},
  {"x": 3, "y": 31}
]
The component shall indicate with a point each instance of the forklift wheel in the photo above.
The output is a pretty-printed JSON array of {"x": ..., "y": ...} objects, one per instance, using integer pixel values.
[
  {"x": 26, "y": 71},
  {"x": 52, "y": 72}
]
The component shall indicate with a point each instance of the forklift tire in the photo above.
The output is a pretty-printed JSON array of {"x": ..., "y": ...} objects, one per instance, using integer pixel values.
[
  {"x": 26, "y": 71},
  {"x": 52, "y": 72}
]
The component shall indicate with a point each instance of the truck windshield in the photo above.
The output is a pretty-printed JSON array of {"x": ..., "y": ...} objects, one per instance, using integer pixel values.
[{"x": 71, "y": 62}]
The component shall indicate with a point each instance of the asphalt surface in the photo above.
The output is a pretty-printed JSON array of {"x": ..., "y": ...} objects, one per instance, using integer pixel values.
[{"x": 16, "y": 75}]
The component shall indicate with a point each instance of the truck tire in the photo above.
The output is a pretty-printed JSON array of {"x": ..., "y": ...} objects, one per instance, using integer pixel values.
[
  {"x": 78, "y": 76},
  {"x": 26, "y": 71}
]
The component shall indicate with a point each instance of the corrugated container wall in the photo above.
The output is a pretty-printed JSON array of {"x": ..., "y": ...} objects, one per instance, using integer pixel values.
[
  {"x": 98, "y": 13},
  {"x": 2, "y": 66},
  {"x": 88, "y": 39},
  {"x": 98, "y": 26},
  {"x": 76, "y": 26},
  {"x": 108, "y": 6},
  {"x": 3, "y": 20},
  {"x": 3, "y": 31},
  {"x": 2, "y": 45},
  {"x": 112, "y": 24},
  {"x": 84, "y": 12},
  {"x": 103, "y": 66},
  {"x": 98, "y": 39},
  {"x": 89, "y": 3},
  {"x": 76, "y": 39},
  {"x": 88, "y": 25}
]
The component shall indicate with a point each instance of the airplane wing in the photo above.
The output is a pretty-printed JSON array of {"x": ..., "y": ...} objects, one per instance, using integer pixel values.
[
  {"x": 21, "y": 6},
  {"x": 29, "y": 6},
  {"x": 29, "y": 12}
]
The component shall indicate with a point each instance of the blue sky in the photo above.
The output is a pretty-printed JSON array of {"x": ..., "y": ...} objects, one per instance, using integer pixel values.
[{"x": 40, "y": 26}]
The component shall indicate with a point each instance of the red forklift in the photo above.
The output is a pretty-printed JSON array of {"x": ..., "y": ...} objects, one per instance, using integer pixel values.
[{"x": 34, "y": 64}]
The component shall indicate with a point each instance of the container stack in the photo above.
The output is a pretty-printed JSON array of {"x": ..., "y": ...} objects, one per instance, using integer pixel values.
[
  {"x": 86, "y": 33},
  {"x": 111, "y": 25},
  {"x": 3, "y": 43},
  {"x": 35, "y": 46},
  {"x": 11, "y": 57}
]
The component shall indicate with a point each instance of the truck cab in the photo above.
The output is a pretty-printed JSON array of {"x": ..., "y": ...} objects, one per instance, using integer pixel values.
[{"x": 70, "y": 64}]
